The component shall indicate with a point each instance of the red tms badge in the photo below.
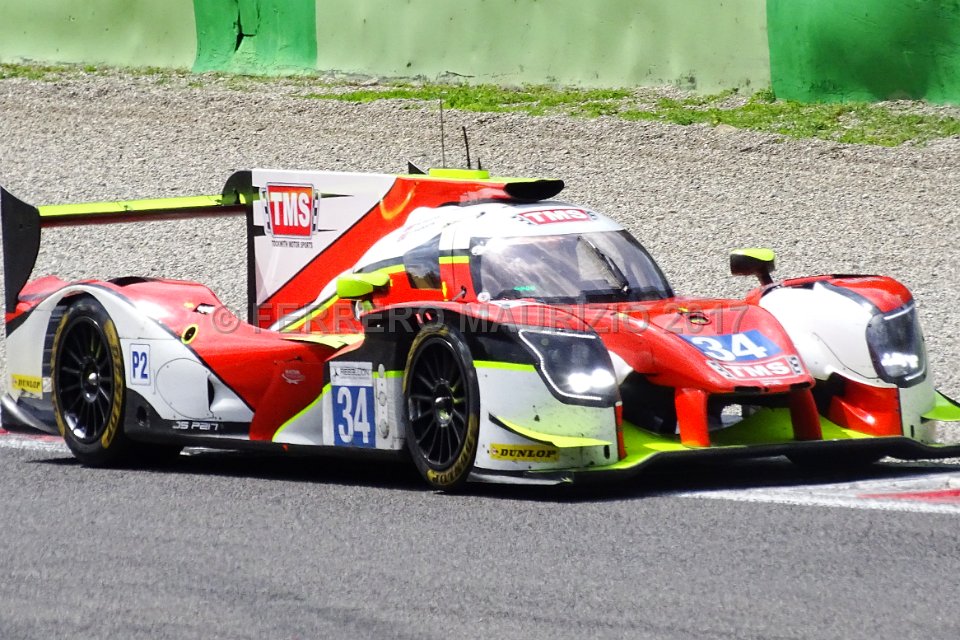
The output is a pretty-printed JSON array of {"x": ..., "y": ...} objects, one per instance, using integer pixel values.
[
  {"x": 549, "y": 216},
  {"x": 291, "y": 210}
]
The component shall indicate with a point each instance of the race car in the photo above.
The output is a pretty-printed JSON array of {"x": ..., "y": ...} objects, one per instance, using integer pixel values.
[{"x": 474, "y": 324}]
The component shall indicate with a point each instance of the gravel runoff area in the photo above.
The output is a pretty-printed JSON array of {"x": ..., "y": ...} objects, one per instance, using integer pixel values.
[{"x": 689, "y": 193}]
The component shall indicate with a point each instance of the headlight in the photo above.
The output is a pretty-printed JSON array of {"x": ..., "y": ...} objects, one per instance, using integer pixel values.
[
  {"x": 576, "y": 366},
  {"x": 896, "y": 346}
]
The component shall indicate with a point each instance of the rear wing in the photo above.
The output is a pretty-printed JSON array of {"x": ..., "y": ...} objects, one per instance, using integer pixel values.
[
  {"x": 21, "y": 223},
  {"x": 293, "y": 218}
]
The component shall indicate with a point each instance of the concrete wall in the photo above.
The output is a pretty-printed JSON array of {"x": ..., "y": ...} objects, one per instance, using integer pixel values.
[
  {"x": 841, "y": 50},
  {"x": 256, "y": 36},
  {"x": 699, "y": 44},
  {"x": 809, "y": 50},
  {"x": 139, "y": 33}
]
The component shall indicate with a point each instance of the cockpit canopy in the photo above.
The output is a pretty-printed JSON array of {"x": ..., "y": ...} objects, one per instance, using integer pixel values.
[{"x": 601, "y": 266}]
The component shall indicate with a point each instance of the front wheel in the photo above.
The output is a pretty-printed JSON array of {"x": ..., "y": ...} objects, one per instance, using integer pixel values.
[
  {"x": 89, "y": 387},
  {"x": 442, "y": 401}
]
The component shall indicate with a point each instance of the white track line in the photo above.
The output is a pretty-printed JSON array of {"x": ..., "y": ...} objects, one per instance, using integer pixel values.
[
  {"x": 24, "y": 442},
  {"x": 850, "y": 495}
]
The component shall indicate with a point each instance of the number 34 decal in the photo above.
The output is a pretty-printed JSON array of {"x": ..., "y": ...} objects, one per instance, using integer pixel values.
[
  {"x": 735, "y": 347},
  {"x": 353, "y": 416},
  {"x": 354, "y": 413}
]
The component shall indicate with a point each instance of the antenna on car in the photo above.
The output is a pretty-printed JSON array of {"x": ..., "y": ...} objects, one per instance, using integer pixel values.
[
  {"x": 466, "y": 143},
  {"x": 443, "y": 150}
]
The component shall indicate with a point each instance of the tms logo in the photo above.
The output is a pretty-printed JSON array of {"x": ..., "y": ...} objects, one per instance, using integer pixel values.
[
  {"x": 291, "y": 210},
  {"x": 550, "y": 216}
]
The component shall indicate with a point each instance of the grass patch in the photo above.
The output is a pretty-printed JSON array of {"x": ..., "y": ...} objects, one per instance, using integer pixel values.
[
  {"x": 533, "y": 100},
  {"x": 854, "y": 123},
  {"x": 32, "y": 71}
]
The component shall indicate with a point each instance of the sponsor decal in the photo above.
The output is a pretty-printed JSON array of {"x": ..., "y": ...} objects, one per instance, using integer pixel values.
[
  {"x": 735, "y": 347},
  {"x": 196, "y": 425},
  {"x": 782, "y": 367},
  {"x": 524, "y": 453},
  {"x": 293, "y": 376},
  {"x": 27, "y": 385},
  {"x": 550, "y": 216},
  {"x": 290, "y": 212},
  {"x": 383, "y": 426},
  {"x": 354, "y": 411},
  {"x": 140, "y": 364}
]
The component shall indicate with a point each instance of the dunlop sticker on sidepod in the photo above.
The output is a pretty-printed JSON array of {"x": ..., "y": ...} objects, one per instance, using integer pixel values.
[
  {"x": 524, "y": 453},
  {"x": 29, "y": 385}
]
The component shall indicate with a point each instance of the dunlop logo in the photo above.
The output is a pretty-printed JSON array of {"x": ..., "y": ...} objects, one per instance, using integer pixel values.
[
  {"x": 30, "y": 385},
  {"x": 524, "y": 453}
]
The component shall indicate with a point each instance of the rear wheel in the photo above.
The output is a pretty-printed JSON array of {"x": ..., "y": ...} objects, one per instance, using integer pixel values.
[
  {"x": 89, "y": 385},
  {"x": 442, "y": 407}
]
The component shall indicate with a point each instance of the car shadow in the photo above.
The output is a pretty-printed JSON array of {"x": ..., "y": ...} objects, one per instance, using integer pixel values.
[{"x": 664, "y": 481}]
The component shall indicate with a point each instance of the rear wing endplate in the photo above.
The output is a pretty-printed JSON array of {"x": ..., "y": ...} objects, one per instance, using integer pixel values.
[{"x": 21, "y": 222}]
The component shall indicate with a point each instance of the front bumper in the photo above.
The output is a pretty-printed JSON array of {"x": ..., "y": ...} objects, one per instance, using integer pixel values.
[{"x": 768, "y": 433}]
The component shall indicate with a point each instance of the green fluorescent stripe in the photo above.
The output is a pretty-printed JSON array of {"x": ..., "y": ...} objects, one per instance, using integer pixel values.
[
  {"x": 508, "y": 366},
  {"x": 302, "y": 412},
  {"x": 129, "y": 206},
  {"x": 388, "y": 374},
  {"x": 943, "y": 410},
  {"x": 766, "y": 255},
  {"x": 310, "y": 315},
  {"x": 767, "y": 426},
  {"x": 562, "y": 442}
]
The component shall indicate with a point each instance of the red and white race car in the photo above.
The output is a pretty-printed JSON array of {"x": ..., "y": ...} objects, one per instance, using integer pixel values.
[{"x": 474, "y": 324}]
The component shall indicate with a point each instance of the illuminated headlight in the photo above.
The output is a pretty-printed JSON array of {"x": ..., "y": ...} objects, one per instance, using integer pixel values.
[
  {"x": 576, "y": 366},
  {"x": 896, "y": 346}
]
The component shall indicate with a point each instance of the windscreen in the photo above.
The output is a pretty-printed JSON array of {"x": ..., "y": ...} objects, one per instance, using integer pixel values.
[{"x": 608, "y": 266}]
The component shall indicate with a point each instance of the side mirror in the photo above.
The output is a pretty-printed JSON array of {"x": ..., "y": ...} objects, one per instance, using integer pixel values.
[
  {"x": 753, "y": 262},
  {"x": 357, "y": 286}
]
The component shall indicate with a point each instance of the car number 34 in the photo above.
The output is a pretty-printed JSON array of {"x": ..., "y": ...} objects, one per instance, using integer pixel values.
[
  {"x": 749, "y": 345},
  {"x": 353, "y": 416}
]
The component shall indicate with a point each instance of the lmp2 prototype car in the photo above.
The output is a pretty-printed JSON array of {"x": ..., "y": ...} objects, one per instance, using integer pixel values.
[{"x": 474, "y": 324}]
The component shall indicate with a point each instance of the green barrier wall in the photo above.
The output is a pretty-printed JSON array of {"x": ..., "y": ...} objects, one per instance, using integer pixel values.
[
  {"x": 809, "y": 50},
  {"x": 703, "y": 44},
  {"x": 256, "y": 36},
  {"x": 836, "y": 50},
  {"x": 139, "y": 33}
]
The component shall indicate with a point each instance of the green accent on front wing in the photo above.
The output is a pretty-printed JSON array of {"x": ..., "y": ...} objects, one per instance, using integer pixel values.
[
  {"x": 773, "y": 426},
  {"x": 766, "y": 426},
  {"x": 944, "y": 410},
  {"x": 508, "y": 366},
  {"x": 129, "y": 206},
  {"x": 764, "y": 255},
  {"x": 302, "y": 412},
  {"x": 561, "y": 442}
]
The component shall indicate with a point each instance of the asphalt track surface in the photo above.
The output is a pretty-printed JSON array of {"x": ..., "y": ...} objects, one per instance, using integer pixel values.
[
  {"x": 220, "y": 545},
  {"x": 228, "y": 546}
]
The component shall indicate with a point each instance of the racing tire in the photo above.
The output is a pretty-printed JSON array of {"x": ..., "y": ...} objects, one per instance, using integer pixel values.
[
  {"x": 835, "y": 461},
  {"x": 442, "y": 407},
  {"x": 88, "y": 384}
]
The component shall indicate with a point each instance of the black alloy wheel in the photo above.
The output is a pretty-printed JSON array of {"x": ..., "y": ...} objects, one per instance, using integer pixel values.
[{"x": 442, "y": 417}]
